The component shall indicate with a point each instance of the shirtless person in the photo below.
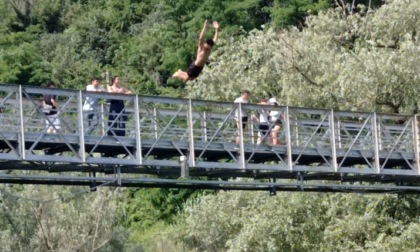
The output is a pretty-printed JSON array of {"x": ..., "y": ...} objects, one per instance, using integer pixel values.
[{"x": 203, "y": 52}]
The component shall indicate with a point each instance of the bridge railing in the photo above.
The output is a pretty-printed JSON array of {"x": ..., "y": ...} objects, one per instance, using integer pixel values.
[{"x": 159, "y": 130}]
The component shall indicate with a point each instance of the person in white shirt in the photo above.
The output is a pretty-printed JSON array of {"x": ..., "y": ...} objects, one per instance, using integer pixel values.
[
  {"x": 245, "y": 94},
  {"x": 91, "y": 108},
  {"x": 262, "y": 118}
]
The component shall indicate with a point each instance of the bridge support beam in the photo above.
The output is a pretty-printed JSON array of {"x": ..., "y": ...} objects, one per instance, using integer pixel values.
[{"x": 184, "y": 167}]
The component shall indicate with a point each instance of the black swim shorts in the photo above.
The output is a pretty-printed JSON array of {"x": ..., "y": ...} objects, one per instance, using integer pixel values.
[
  {"x": 244, "y": 121},
  {"x": 264, "y": 128},
  {"x": 194, "y": 71}
]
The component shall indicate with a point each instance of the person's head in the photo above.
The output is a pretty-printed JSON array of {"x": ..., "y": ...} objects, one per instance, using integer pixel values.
[
  {"x": 273, "y": 101},
  {"x": 209, "y": 44},
  {"x": 50, "y": 84},
  {"x": 263, "y": 101},
  {"x": 95, "y": 81},
  {"x": 115, "y": 80},
  {"x": 245, "y": 94}
]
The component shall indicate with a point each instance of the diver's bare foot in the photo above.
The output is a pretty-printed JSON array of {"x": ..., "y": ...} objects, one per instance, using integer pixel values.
[
  {"x": 181, "y": 75},
  {"x": 176, "y": 74}
]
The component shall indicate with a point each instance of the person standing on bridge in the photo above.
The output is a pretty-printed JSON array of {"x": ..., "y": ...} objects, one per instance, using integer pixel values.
[
  {"x": 275, "y": 118},
  {"x": 245, "y": 94},
  {"x": 117, "y": 117},
  {"x": 91, "y": 108},
  {"x": 203, "y": 53},
  {"x": 51, "y": 111},
  {"x": 264, "y": 133}
]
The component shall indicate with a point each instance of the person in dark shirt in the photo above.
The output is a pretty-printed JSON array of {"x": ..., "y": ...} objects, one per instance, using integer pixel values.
[
  {"x": 51, "y": 111},
  {"x": 117, "y": 117}
]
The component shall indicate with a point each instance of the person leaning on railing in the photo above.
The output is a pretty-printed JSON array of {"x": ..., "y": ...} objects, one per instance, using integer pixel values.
[
  {"x": 275, "y": 117},
  {"x": 91, "y": 108},
  {"x": 245, "y": 94},
  {"x": 51, "y": 110},
  {"x": 117, "y": 117},
  {"x": 262, "y": 118}
]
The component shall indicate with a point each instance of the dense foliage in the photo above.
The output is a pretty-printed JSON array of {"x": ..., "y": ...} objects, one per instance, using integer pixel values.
[
  {"x": 364, "y": 61},
  {"x": 70, "y": 41},
  {"x": 36, "y": 218},
  {"x": 346, "y": 56},
  {"x": 302, "y": 222}
]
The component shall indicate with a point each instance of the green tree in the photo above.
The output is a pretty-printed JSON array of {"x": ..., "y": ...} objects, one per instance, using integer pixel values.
[
  {"x": 20, "y": 60},
  {"x": 293, "y": 12},
  {"x": 146, "y": 207},
  {"x": 301, "y": 222},
  {"x": 63, "y": 219},
  {"x": 351, "y": 62}
]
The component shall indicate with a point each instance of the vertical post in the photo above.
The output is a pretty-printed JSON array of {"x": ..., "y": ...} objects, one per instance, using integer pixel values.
[
  {"x": 241, "y": 138},
  {"x": 137, "y": 130},
  {"x": 184, "y": 167},
  {"x": 107, "y": 78},
  {"x": 106, "y": 124},
  {"x": 103, "y": 119},
  {"x": 416, "y": 143},
  {"x": 22, "y": 126},
  {"x": 288, "y": 139},
  {"x": 251, "y": 128},
  {"x": 339, "y": 135},
  {"x": 377, "y": 167},
  {"x": 93, "y": 185},
  {"x": 81, "y": 127},
  {"x": 191, "y": 154},
  {"x": 380, "y": 147},
  {"x": 333, "y": 144},
  {"x": 155, "y": 126},
  {"x": 204, "y": 125},
  {"x": 118, "y": 174},
  {"x": 296, "y": 133}
]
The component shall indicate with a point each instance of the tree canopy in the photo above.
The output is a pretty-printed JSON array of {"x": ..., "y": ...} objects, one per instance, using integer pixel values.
[
  {"x": 302, "y": 221},
  {"x": 70, "y": 41},
  {"x": 364, "y": 61}
]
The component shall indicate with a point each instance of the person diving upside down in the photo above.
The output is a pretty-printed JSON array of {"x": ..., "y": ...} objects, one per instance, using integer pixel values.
[{"x": 203, "y": 53}]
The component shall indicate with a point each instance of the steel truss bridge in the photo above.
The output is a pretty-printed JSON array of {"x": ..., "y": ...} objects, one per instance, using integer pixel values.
[{"x": 184, "y": 143}]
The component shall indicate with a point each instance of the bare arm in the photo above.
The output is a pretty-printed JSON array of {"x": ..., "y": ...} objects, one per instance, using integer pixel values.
[
  {"x": 120, "y": 90},
  {"x": 112, "y": 89},
  {"x": 127, "y": 91},
  {"x": 54, "y": 102},
  {"x": 216, "y": 31},
  {"x": 202, "y": 33}
]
